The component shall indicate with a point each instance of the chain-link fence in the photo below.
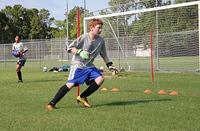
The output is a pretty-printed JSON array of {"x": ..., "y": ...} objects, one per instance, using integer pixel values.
[
  {"x": 133, "y": 54},
  {"x": 42, "y": 52},
  {"x": 50, "y": 53}
]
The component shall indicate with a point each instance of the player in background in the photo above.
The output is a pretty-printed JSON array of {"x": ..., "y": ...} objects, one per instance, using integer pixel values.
[
  {"x": 18, "y": 51},
  {"x": 85, "y": 49}
]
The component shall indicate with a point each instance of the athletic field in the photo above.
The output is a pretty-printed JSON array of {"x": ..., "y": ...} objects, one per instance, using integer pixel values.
[{"x": 23, "y": 105}]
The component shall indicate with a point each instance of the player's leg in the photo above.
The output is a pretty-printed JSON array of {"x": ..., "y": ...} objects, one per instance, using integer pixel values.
[
  {"x": 96, "y": 80},
  {"x": 19, "y": 74},
  {"x": 19, "y": 65},
  {"x": 59, "y": 95},
  {"x": 93, "y": 86},
  {"x": 73, "y": 79}
]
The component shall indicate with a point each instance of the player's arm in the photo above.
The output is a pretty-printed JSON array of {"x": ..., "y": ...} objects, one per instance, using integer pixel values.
[
  {"x": 75, "y": 50},
  {"x": 103, "y": 53},
  {"x": 108, "y": 63},
  {"x": 24, "y": 48},
  {"x": 73, "y": 47},
  {"x": 13, "y": 47}
]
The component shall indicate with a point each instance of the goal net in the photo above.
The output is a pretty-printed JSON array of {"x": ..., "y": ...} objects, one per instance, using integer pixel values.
[{"x": 175, "y": 37}]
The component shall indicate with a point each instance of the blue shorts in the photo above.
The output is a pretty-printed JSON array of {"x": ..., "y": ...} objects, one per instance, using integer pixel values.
[{"x": 81, "y": 75}]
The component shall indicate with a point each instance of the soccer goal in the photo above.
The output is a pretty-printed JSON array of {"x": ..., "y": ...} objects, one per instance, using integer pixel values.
[{"x": 175, "y": 37}]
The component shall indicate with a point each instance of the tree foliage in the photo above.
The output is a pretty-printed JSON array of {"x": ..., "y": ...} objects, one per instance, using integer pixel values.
[
  {"x": 171, "y": 20},
  {"x": 36, "y": 24},
  {"x": 29, "y": 23},
  {"x": 73, "y": 21}
]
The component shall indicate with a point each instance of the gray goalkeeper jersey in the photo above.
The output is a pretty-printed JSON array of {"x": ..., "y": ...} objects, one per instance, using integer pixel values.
[{"x": 94, "y": 47}]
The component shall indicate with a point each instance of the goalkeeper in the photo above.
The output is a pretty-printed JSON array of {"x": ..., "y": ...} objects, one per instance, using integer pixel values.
[
  {"x": 84, "y": 49},
  {"x": 18, "y": 51}
]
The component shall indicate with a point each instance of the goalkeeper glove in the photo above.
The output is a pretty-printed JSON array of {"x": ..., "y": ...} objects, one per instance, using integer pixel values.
[
  {"x": 111, "y": 68},
  {"x": 83, "y": 54}
]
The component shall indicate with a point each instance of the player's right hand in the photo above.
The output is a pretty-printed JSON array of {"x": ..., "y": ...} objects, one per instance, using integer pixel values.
[{"x": 83, "y": 54}]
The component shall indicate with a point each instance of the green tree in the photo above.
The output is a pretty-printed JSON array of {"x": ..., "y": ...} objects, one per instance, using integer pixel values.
[
  {"x": 29, "y": 23},
  {"x": 122, "y": 25},
  {"x": 44, "y": 16},
  {"x": 14, "y": 20},
  {"x": 73, "y": 22},
  {"x": 16, "y": 14},
  {"x": 3, "y": 26},
  {"x": 36, "y": 28},
  {"x": 59, "y": 31}
]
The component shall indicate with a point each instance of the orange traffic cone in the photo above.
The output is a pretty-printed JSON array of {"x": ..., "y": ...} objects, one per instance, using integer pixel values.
[
  {"x": 115, "y": 90},
  {"x": 173, "y": 93},
  {"x": 104, "y": 89},
  {"x": 147, "y": 91},
  {"x": 162, "y": 92}
]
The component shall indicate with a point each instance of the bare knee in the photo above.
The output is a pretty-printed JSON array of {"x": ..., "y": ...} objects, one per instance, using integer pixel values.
[
  {"x": 18, "y": 68},
  {"x": 99, "y": 80},
  {"x": 70, "y": 85}
]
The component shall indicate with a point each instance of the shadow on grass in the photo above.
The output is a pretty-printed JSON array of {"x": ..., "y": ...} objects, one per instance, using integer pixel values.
[
  {"x": 45, "y": 80},
  {"x": 119, "y": 103},
  {"x": 123, "y": 103}
]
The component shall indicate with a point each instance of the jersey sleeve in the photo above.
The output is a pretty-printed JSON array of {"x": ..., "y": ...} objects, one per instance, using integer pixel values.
[
  {"x": 76, "y": 43},
  {"x": 22, "y": 47},
  {"x": 13, "y": 47},
  {"x": 103, "y": 52}
]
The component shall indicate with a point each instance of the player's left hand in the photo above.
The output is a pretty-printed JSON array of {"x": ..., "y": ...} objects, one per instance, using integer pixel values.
[
  {"x": 25, "y": 50},
  {"x": 112, "y": 68}
]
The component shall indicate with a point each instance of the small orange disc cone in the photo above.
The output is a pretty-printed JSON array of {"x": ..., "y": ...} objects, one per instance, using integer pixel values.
[
  {"x": 104, "y": 89},
  {"x": 115, "y": 90},
  {"x": 147, "y": 91},
  {"x": 173, "y": 93},
  {"x": 162, "y": 92}
]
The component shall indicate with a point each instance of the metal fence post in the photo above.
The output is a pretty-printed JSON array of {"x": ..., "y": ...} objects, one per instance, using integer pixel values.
[{"x": 4, "y": 55}]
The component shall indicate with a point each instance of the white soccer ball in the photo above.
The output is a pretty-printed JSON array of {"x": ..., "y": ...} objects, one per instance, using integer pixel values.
[{"x": 44, "y": 69}]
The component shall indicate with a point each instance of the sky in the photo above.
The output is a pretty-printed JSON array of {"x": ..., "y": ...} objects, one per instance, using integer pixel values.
[{"x": 57, "y": 8}]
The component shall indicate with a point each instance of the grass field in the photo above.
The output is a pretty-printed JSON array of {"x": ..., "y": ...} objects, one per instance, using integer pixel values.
[{"x": 23, "y": 105}]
